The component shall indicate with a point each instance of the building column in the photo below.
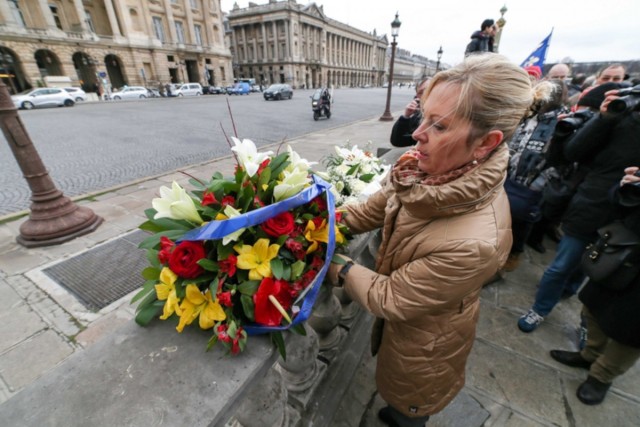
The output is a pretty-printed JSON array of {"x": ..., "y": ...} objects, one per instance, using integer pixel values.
[
  {"x": 287, "y": 38},
  {"x": 171, "y": 23},
  {"x": 255, "y": 42},
  {"x": 244, "y": 45},
  {"x": 191, "y": 32},
  {"x": 82, "y": 16},
  {"x": 264, "y": 42},
  {"x": 275, "y": 41},
  {"x": 123, "y": 13},
  {"x": 148, "y": 22},
  {"x": 208, "y": 24},
  {"x": 47, "y": 15}
]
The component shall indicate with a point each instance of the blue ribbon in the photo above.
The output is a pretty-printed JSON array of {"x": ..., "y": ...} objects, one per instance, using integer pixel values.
[{"x": 215, "y": 230}]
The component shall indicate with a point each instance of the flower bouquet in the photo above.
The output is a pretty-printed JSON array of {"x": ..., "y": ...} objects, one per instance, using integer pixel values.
[
  {"x": 243, "y": 255},
  {"x": 354, "y": 173}
]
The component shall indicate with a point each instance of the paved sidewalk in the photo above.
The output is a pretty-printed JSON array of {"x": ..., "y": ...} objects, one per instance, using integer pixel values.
[{"x": 510, "y": 377}]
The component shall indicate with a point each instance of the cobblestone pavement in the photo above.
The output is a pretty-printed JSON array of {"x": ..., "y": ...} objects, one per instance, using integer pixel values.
[{"x": 96, "y": 146}]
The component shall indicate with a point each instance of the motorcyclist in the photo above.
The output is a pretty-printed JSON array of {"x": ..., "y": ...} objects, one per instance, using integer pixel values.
[{"x": 325, "y": 101}]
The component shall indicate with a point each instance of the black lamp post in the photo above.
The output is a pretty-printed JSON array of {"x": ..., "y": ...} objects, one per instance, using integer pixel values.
[
  {"x": 439, "y": 56},
  {"x": 395, "y": 28}
]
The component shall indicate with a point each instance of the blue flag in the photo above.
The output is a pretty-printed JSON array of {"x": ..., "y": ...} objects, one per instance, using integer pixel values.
[{"x": 538, "y": 56}]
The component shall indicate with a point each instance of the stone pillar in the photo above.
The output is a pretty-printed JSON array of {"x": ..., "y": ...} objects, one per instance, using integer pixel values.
[
  {"x": 82, "y": 16},
  {"x": 113, "y": 20},
  {"x": 123, "y": 13},
  {"x": 325, "y": 319},
  {"x": 208, "y": 24},
  {"x": 265, "y": 404},
  {"x": 302, "y": 369},
  {"x": 171, "y": 23},
  {"x": 47, "y": 15},
  {"x": 275, "y": 41},
  {"x": 191, "y": 32},
  {"x": 245, "y": 47},
  {"x": 264, "y": 43},
  {"x": 7, "y": 15}
]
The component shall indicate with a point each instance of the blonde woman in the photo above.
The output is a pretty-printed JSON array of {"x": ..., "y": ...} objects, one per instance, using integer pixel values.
[{"x": 446, "y": 231}]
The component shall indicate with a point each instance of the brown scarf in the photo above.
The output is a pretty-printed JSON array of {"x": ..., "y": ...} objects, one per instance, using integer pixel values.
[{"x": 406, "y": 171}]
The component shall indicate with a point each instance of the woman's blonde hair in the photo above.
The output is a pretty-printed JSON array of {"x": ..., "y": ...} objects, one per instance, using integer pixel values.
[{"x": 495, "y": 94}]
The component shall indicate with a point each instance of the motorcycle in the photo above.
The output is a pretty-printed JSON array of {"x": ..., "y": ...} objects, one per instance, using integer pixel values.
[{"x": 321, "y": 104}]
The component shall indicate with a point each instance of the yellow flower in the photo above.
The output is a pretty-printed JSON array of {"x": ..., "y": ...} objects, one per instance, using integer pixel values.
[
  {"x": 321, "y": 234},
  {"x": 257, "y": 258},
  {"x": 166, "y": 290},
  {"x": 196, "y": 304}
]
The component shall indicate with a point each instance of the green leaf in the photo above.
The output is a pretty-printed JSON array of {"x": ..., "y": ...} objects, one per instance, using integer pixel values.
[
  {"x": 224, "y": 251},
  {"x": 171, "y": 224},
  {"x": 249, "y": 287},
  {"x": 196, "y": 184},
  {"x": 277, "y": 268},
  {"x": 279, "y": 163},
  {"x": 148, "y": 286},
  {"x": 247, "y": 306},
  {"x": 213, "y": 287},
  {"x": 353, "y": 169},
  {"x": 299, "y": 329},
  {"x": 367, "y": 177},
  {"x": 152, "y": 242},
  {"x": 282, "y": 239},
  {"x": 296, "y": 269},
  {"x": 151, "y": 273},
  {"x": 337, "y": 259},
  {"x": 150, "y": 213},
  {"x": 247, "y": 198},
  {"x": 263, "y": 180},
  {"x": 145, "y": 315},
  {"x": 286, "y": 274},
  {"x": 152, "y": 257},
  {"x": 150, "y": 226},
  {"x": 278, "y": 341},
  {"x": 208, "y": 265},
  {"x": 212, "y": 341}
]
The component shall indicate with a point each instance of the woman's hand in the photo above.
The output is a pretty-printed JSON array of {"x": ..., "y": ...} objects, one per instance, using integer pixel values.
[
  {"x": 630, "y": 176},
  {"x": 609, "y": 96},
  {"x": 334, "y": 269}
]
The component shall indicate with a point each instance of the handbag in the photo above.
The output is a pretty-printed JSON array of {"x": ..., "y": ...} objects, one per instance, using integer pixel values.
[
  {"x": 613, "y": 261},
  {"x": 524, "y": 202}
]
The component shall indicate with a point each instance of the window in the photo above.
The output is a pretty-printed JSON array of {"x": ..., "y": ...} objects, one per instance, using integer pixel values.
[
  {"x": 158, "y": 28},
  {"x": 222, "y": 72},
  {"x": 194, "y": 4},
  {"x": 89, "y": 21},
  {"x": 180, "y": 32},
  {"x": 56, "y": 16},
  {"x": 17, "y": 13},
  {"x": 198, "y": 31}
]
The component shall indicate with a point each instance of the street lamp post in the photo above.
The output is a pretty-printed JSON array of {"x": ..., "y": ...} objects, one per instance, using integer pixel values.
[
  {"x": 439, "y": 56},
  {"x": 395, "y": 27}
]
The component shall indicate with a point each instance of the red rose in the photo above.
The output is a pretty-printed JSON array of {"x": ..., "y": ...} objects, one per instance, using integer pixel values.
[
  {"x": 317, "y": 262},
  {"x": 265, "y": 312},
  {"x": 228, "y": 200},
  {"x": 166, "y": 245},
  {"x": 222, "y": 333},
  {"x": 263, "y": 165},
  {"x": 184, "y": 259},
  {"x": 322, "y": 204},
  {"x": 279, "y": 225}
]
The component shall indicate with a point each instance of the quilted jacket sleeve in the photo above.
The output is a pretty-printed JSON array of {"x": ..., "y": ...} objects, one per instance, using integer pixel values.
[
  {"x": 368, "y": 215},
  {"x": 430, "y": 285}
]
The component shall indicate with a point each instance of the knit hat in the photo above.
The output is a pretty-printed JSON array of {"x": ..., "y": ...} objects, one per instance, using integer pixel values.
[
  {"x": 593, "y": 97},
  {"x": 534, "y": 70}
]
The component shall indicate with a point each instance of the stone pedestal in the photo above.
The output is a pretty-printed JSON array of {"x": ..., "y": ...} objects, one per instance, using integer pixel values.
[
  {"x": 325, "y": 319},
  {"x": 265, "y": 404}
]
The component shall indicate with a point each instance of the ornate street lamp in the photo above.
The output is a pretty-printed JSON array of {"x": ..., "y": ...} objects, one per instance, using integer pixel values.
[
  {"x": 395, "y": 28},
  {"x": 439, "y": 56}
]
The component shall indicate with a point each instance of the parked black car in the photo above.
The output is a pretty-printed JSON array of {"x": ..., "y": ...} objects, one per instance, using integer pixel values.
[
  {"x": 213, "y": 90},
  {"x": 277, "y": 92}
]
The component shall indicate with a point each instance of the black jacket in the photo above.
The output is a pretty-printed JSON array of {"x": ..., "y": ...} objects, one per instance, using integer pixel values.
[
  {"x": 618, "y": 312},
  {"x": 403, "y": 128},
  {"x": 605, "y": 146},
  {"x": 480, "y": 42}
]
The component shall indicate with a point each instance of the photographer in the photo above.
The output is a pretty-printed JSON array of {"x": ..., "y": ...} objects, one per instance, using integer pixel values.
[
  {"x": 605, "y": 146},
  {"x": 612, "y": 315},
  {"x": 409, "y": 121}
]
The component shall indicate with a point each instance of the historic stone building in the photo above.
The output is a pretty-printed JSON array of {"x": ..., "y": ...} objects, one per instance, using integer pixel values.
[
  {"x": 112, "y": 43},
  {"x": 286, "y": 42}
]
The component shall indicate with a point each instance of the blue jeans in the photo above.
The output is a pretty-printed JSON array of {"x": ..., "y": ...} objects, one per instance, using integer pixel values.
[{"x": 562, "y": 275}]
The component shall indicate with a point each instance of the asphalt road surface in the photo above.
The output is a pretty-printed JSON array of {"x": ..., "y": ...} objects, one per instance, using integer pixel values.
[{"x": 95, "y": 146}]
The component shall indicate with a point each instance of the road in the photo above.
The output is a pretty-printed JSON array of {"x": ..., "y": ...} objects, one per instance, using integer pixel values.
[{"x": 94, "y": 146}]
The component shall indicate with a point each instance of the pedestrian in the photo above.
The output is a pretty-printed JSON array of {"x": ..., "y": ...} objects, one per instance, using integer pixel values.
[
  {"x": 446, "y": 230},
  {"x": 409, "y": 121},
  {"x": 612, "y": 315},
  {"x": 168, "y": 88},
  {"x": 482, "y": 41}
]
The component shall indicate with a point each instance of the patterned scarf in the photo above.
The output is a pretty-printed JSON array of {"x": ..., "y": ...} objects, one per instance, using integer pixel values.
[{"x": 406, "y": 171}]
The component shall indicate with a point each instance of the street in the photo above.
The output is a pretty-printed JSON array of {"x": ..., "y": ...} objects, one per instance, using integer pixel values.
[{"x": 95, "y": 146}]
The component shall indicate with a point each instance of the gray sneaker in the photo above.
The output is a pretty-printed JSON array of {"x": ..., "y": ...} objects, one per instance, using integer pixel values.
[{"x": 530, "y": 321}]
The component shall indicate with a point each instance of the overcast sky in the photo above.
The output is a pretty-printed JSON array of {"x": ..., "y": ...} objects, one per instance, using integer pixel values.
[{"x": 586, "y": 30}]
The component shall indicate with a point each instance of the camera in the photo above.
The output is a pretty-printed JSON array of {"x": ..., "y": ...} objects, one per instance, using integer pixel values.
[
  {"x": 628, "y": 101},
  {"x": 572, "y": 122}
]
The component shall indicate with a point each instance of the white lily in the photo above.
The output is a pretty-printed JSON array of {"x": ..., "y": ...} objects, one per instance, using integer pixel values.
[
  {"x": 175, "y": 203},
  {"x": 292, "y": 184},
  {"x": 231, "y": 212},
  {"x": 298, "y": 162},
  {"x": 248, "y": 155}
]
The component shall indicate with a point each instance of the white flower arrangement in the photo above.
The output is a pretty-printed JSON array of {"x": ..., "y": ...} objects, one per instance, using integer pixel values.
[{"x": 355, "y": 174}]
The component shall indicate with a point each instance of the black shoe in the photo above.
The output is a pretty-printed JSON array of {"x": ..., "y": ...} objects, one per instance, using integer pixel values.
[
  {"x": 570, "y": 358},
  {"x": 537, "y": 246},
  {"x": 385, "y": 416},
  {"x": 592, "y": 391}
]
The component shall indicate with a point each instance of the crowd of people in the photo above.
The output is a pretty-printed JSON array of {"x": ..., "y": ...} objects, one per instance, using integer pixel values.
[{"x": 497, "y": 157}]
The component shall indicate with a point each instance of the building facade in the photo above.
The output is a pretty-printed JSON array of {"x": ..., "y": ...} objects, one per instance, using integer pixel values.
[
  {"x": 286, "y": 42},
  {"x": 104, "y": 44}
]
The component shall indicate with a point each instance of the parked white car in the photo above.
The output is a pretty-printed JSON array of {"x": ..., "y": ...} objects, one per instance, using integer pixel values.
[
  {"x": 76, "y": 93},
  {"x": 189, "y": 89},
  {"x": 131, "y": 92},
  {"x": 42, "y": 97}
]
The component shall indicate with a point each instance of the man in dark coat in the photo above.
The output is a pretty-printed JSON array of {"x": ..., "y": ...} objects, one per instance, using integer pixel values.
[
  {"x": 408, "y": 122},
  {"x": 482, "y": 41},
  {"x": 613, "y": 318},
  {"x": 605, "y": 146}
]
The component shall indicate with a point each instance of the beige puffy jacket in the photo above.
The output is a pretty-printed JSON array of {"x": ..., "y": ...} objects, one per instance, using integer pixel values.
[{"x": 439, "y": 245}]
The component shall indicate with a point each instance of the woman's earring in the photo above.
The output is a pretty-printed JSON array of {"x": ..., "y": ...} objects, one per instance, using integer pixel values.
[{"x": 475, "y": 162}]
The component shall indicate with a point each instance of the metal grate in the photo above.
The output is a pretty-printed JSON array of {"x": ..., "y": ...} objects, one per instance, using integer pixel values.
[{"x": 104, "y": 274}]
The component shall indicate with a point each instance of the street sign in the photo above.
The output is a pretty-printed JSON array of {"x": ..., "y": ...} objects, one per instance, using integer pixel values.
[{"x": 102, "y": 74}]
